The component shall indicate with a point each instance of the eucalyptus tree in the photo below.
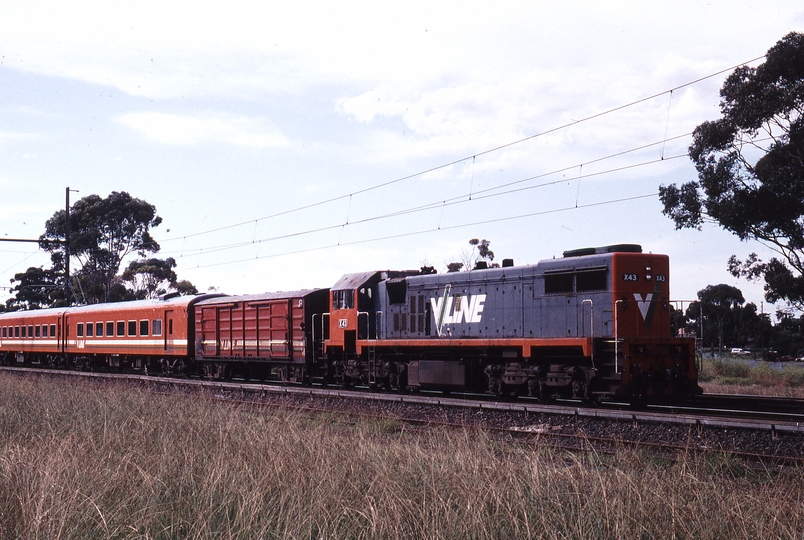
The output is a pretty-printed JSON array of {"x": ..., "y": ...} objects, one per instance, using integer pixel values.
[{"x": 750, "y": 165}]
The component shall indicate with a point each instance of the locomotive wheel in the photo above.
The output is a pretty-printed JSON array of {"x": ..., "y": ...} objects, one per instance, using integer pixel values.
[
  {"x": 578, "y": 389},
  {"x": 544, "y": 394}
]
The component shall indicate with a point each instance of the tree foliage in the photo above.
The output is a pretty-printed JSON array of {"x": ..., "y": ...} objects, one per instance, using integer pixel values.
[
  {"x": 727, "y": 321},
  {"x": 750, "y": 166},
  {"x": 480, "y": 251},
  {"x": 102, "y": 233},
  {"x": 36, "y": 288},
  {"x": 150, "y": 278}
]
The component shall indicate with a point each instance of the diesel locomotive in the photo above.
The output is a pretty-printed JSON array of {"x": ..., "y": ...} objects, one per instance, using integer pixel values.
[{"x": 593, "y": 324}]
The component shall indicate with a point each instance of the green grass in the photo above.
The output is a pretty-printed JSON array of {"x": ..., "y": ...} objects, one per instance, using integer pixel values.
[
  {"x": 84, "y": 460},
  {"x": 742, "y": 372}
]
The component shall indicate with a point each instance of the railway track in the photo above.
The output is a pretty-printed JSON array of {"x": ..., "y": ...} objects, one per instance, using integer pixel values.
[
  {"x": 771, "y": 436},
  {"x": 713, "y": 410}
]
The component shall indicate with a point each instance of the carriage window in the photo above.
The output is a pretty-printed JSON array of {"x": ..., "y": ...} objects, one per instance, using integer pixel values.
[
  {"x": 99, "y": 329},
  {"x": 558, "y": 283},
  {"x": 132, "y": 328},
  {"x": 16, "y": 331},
  {"x": 109, "y": 328},
  {"x": 157, "y": 327},
  {"x": 30, "y": 330},
  {"x": 121, "y": 328},
  {"x": 52, "y": 330},
  {"x": 44, "y": 330},
  {"x": 90, "y": 328},
  {"x": 37, "y": 330},
  {"x": 170, "y": 327},
  {"x": 144, "y": 327},
  {"x": 23, "y": 332},
  {"x": 591, "y": 280},
  {"x": 4, "y": 331},
  {"x": 79, "y": 330}
]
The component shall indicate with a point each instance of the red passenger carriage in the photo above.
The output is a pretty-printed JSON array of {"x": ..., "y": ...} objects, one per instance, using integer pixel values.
[{"x": 137, "y": 334}]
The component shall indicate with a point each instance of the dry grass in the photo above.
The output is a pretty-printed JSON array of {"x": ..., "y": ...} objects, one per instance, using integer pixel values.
[{"x": 94, "y": 461}]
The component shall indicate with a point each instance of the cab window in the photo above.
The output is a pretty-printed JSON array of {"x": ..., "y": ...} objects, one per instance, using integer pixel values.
[{"x": 343, "y": 299}]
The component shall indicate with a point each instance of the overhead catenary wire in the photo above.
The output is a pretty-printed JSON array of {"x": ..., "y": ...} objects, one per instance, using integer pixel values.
[
  {"x": 457, "y": 199},
  {"x": 428, "y": 230},
  {"x": 466, "y": 158}
]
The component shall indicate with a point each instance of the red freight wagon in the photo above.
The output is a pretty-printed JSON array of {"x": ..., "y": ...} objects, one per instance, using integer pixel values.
[{"x": 271, "y": 333}]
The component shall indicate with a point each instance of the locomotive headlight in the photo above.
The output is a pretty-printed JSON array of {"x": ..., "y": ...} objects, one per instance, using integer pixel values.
[{"x": 647, "y": 277}]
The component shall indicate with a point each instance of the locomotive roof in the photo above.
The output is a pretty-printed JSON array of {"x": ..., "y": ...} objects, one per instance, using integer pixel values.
[
  {"x": 353, "y": 281},
  {"x": 572, "y": 259},
  {"x": 279, "y": 295},
  {"x": 591, "y": 258}
]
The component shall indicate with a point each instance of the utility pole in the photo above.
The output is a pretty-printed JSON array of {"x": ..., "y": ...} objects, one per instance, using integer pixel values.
[{"x": 68, "y": 288}]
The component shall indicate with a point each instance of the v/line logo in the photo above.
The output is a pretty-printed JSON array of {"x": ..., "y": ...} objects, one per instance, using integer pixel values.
[
  {"x": 647, "y": 306},
  {"x": 456, "y": 309}
]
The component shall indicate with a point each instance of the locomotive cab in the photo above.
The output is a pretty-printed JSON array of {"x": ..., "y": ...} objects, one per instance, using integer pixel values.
[
  {"x": 352, "y": 312},
  {"x": 356, "y": 309},
  {"x": 356, "y": 315}
]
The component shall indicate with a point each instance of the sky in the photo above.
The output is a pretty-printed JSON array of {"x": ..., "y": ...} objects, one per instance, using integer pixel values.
[{"x": 286, "y": 145}]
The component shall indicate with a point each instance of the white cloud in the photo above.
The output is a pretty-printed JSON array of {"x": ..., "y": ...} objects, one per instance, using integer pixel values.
[
  {"x": 171, "y": 49},
  {"x": 188, "y": 130},
  {"x": 7, "y": 136}
]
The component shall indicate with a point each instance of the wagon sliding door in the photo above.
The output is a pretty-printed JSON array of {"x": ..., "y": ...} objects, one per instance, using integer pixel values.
[{"x": 272, "y": 329}]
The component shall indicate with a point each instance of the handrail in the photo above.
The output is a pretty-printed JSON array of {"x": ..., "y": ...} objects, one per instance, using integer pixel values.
[
  {"x": 368, "y": 325},
  {"x": 592, "y": 325},
  {"x": 616, "y": 337},
  {"x": 313, "y": 344}
]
